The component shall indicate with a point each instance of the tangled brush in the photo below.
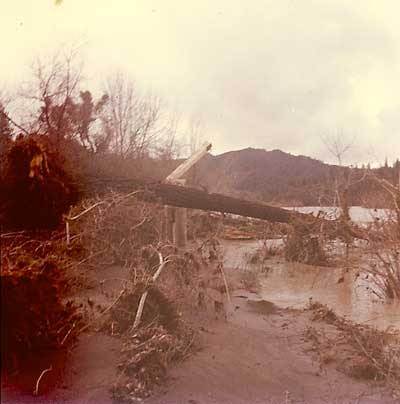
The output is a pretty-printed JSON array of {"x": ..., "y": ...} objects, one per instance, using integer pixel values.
[
  {"x": 363, "y": 352},
  {"x": 39, "y": 324}
]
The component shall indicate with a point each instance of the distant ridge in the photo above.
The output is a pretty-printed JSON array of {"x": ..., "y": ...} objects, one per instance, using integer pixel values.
[{"x": 276, "y": 177}]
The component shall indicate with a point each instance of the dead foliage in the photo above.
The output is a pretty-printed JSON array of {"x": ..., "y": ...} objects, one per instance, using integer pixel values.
[
  {"x": 267, "y": 251},
  {"x": 384, "y": 256},
  {"x": 245, "y": 228},
  {"x": 122, "y": 230},
  {"x": 258, "y": 266},
  {"x": 148, "y": 350},
  {"x": 114, "y": 228},
  {"x": 304, "y": 243},
  {"x": 358, "y": 350},
  {"x": 203, "y": 224},
  {"x": 309, "y": 237},
  {"x": 190, "y": 282},
  {"x": 232, "y": 227},
  {"x": 146, "y": 356},
  {"x": 321, "y": 312},
  {"x": 36, "y": 188},
  {"x": 39, "y": 323},
  {"x": 385, "y": 272},
  {"x": 38, "y": 270},
  {"x": 198, "y": 281}
]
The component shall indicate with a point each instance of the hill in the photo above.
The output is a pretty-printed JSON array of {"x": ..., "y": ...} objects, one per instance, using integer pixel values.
[{"x": 281, "y": 178}]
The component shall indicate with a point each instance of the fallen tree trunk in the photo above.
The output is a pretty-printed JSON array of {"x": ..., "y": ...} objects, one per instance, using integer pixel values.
[
  {"x": 185, "y": 197},
  {"x": 192, "y": 198}
]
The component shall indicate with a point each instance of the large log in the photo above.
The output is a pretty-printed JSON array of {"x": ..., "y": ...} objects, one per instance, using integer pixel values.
[
  {"x": 182, "y": 196},
  {"x": 192, "y": 198}
]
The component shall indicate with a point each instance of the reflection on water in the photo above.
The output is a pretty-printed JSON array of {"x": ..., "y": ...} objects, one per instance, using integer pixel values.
[{"x": 293, "y": 284}]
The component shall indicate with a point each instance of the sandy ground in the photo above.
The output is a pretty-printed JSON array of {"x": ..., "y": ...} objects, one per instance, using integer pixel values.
[{"x": 259, "y": 355}]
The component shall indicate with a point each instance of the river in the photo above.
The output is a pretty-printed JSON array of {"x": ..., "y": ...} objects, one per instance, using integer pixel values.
[{"x": 293, "y": 284}]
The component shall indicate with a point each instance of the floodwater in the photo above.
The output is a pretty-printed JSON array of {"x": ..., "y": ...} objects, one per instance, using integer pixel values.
[
  {"x": 293, "y": 285},
  {"x": 358, "y": 214}
]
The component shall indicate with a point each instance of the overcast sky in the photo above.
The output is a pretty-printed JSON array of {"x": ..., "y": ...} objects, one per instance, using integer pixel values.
[{"x": 266, "y": 74}]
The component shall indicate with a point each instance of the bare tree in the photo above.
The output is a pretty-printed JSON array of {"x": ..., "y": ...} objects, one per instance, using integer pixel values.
[
  {"x": 54, "y": 87},
  {"x": 169, "y": 144},
  {"x": 131, "y": 118},
  {"x": 58, "y": 108},
  {"x": 338, "y": 145},
  {"x": 196, "y": 132},
  {"x": 6, "y": 117},
  {"x": 393, "y": 190}
]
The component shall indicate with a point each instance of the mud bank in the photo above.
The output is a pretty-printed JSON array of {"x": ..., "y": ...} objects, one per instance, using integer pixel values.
[{"x": 262, "y": 355}]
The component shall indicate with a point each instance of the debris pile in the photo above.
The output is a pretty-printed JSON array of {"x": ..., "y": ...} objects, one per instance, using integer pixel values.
[
  {"x": 39, "y": 325},
  {"x": 163, "y": 336},
  {"x": 146, "y": 356},
  {"x": 358, "y": 350},
  {"x": 114, "y": 228},
  {"x": 304, "y": 244}
]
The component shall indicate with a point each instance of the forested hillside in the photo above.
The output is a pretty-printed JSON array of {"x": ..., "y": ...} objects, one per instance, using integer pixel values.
[{"x": 282, "y": 178}]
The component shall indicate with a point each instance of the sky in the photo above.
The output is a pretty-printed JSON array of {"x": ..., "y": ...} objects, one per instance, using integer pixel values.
[{"x": 264, "y": 74}]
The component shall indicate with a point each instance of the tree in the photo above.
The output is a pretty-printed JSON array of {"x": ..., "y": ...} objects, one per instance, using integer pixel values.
[
  {"x": 85, "y": 116},
  {"x": 63, "y": 112},
  {"x": 54, "y": 88},
  {"x": 169, "y": 147},
  {"x": 338, "y": 146},
  {"x": 195, "y": 134},
  {"x": 131, "y": 118}
]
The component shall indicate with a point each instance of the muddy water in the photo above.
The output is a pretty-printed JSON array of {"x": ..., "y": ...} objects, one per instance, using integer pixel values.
[{"x": 292, "y": 285}]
